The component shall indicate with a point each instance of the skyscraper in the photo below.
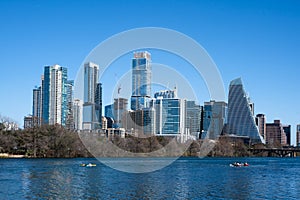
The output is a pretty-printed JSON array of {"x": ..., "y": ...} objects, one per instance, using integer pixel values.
[
  {"x": 37, "y": 105},
  {"x": 215, "y": 115},
  {"x": 298, "y": 135},
  {"x": 92, "y": 107},
  {"x": 261, "y": 123},
  {"x": 193, "y": 118},
  {"x": 120, "y": 108},
  {"x": 77, "y": 114},
  {"x": 240, "y": 118},
  {"x": 287, "y": 131},
  {"x": 275, "y": 134},
  {"x": 141, "y": 80},
  {"x": 54, "y": 95}
]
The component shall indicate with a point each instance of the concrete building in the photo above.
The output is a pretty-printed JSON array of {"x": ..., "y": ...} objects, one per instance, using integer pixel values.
[
  {"x": 261, "y": 124},
  {"x": 77, "y": 114},
  {"x": 275, "y": 134},
  {"x": 120, "y": 107}
]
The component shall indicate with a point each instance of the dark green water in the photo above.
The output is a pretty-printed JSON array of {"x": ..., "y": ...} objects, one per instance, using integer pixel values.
[{"x": 187, "y": 178}]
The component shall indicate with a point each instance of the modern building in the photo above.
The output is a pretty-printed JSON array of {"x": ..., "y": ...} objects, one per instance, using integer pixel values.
[
  {"x": 70, "y": 124},
  {"x": 30, "y": 122},
  {"x": 77, "y": 114},
  {"x": 109, "y": 111},
  {"x": 214, "y": 119},
  {"x": 54, "y": 95},
  {"x": 141, "y": 80},
  {"x": 120, "y": 108},
  {"x": 298, "y": 135},
  {"x": 169, "y": 116},
  {"x": 275, "y": 134},
  {"x": 261, "y": 124},
  {"x": 193, "y": 118},
  {"x": 287, "y": 131},
  {"x": 37, "y": 105},
  {"x": 241, "y": 121},
  {"x": 141, "y": 121},
  {"x": 92, "y": 106}
]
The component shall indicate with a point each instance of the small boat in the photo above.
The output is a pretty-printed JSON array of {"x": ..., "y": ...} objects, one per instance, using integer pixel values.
[
  {"x": 237, "y": 164},
  {"x": 88, "y": 165},
  {"x": 91, "y": 165}
]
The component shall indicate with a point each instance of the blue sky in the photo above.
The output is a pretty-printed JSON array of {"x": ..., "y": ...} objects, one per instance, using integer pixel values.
[{"x": 257, "y": 40}]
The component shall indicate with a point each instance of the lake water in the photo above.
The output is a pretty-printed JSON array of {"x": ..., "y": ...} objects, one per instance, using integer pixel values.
[{"x": 187, "y": 178}]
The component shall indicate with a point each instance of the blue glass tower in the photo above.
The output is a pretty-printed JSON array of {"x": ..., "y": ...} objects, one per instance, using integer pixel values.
[
  {"x": 54, "y": 95},
  {"x": 241, "y": 121},
  {"x": 141, "y": 80}
]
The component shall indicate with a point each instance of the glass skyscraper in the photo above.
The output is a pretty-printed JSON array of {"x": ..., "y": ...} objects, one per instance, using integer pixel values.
[
  {"x": 54, "y": 95},
  {"x": 92, "y": 107},
  {"x": 241, "y": 121},
  {"x": 141, "y": 80}
]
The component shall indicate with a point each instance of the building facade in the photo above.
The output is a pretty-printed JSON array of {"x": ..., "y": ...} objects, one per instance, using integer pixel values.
[
  {"x": 287, "y": 131},
  {"x": 54, "y": 95},
  {"x": 241, "y": 121},
  {"x": 77, "y": 114},
  {"x": 214, "y": 119},
  {"x": 141, "y": 80},
  {"x": 261, "y": 124},
  {"x": 193, "y": 118},
  {"x": 92, "y": 106},
  {"x": 298, "y": 135},
  {"x": 275, "y": 134},
  {"x": 37, "y": 105}
]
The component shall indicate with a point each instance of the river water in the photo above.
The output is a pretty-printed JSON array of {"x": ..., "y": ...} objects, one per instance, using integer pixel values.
[{"x": 186, "y": 178}]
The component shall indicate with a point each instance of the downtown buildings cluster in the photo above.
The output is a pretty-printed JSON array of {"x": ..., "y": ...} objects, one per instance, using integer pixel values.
[{"x": 164, "y": 114}]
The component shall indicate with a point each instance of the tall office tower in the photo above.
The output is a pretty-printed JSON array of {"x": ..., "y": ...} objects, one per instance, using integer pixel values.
[
  {"x": 169, "y": 116},
  {"x": 92, "y": 98},
  {"x": 166, "y": 94},
  {"x": 141, "y": 80},
  {"x": 54, "y": 95},
  {"x": 298, "y": 135},
  {"x": 77, "y": 114},
  {"x": 69, "y": 102},
  {"x": 109, "y": 111},
  {"x": 193, "y": 118},
  {"x": 120, "y": 108},
  {"x": 37, "y": 106},
  {"x": 215, "y": 115},
  {"x": 287, "y": 131},
  {"x": 98, "y": 103},
  {"x": 240, "y": 118},
  {"x": 275, "y": 134},
  {"x": 261, "y": 124}
]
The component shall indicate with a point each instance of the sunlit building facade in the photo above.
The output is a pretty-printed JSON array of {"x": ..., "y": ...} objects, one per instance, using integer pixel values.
[{"x": 241, "y": 121}]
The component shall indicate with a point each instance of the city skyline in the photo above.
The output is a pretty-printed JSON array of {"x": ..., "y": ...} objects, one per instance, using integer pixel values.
[{"x": 260, "y": 45}]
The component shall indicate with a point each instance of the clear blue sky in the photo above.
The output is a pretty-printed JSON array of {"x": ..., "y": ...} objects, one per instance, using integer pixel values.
[{"x": 257, "y": 40}]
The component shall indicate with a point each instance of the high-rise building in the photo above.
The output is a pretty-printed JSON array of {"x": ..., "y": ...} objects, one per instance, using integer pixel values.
[
  {"x": 141, "y": 80},
  {"x": 54, "y": 95},
  {"x": 298, "y": 135},
  {"x": 193, "y": 118},
  {"x": 169, "y": 116},
  {"x": 261, "y": 124},
  {"x": 92, "y": 107},
  {"x": 109, "y": 111},
  {"x": 77, "y": 114},
  {"x": 37, "y": 105},
  {"x": 241, "y": 121},
  {"x": 275, "y": 134},
  {"x": 70, "y": 124},
  {"x": 120, "y": 108},
  {"x": 287, "y": 131},
  {"x": 215, "y": 114}
]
